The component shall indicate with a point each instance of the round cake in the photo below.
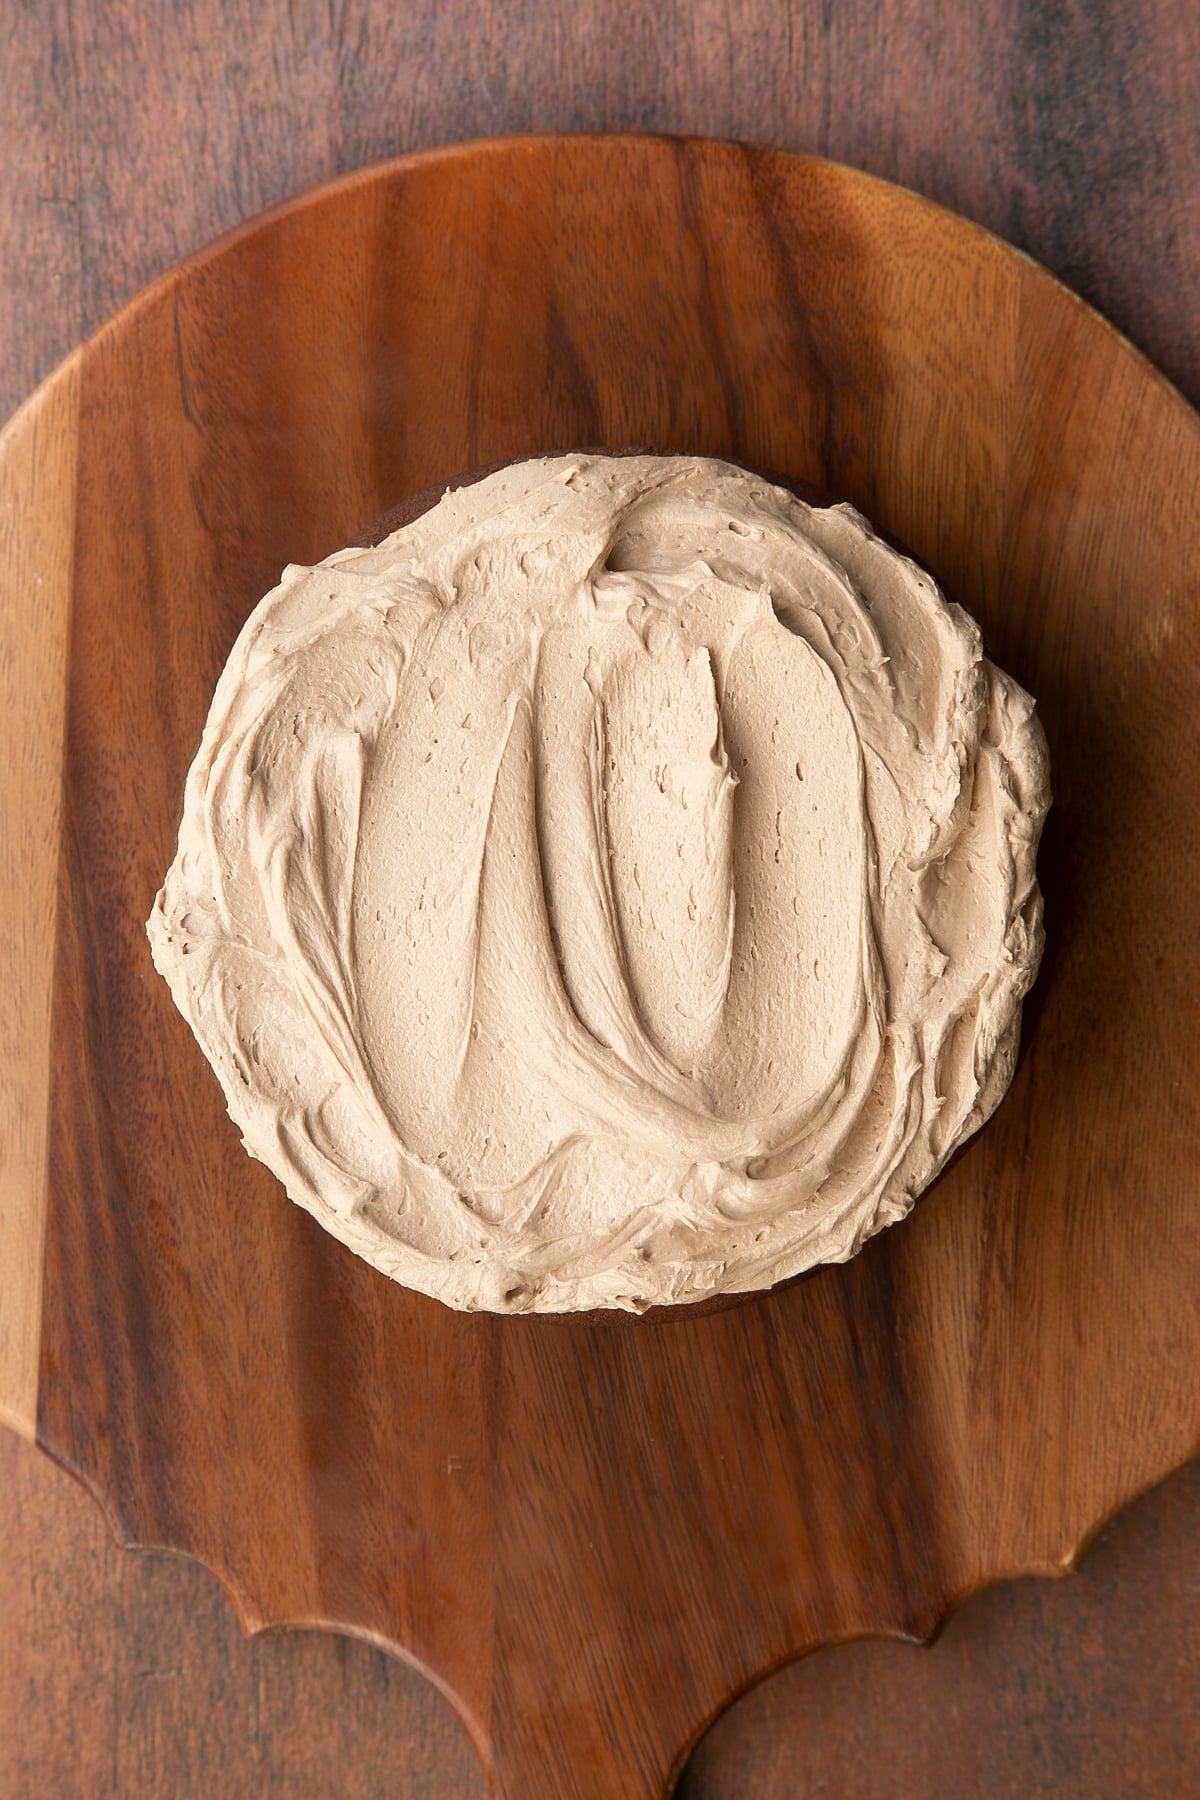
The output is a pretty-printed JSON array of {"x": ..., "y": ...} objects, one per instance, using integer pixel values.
[{"x": 614, "y": 888}]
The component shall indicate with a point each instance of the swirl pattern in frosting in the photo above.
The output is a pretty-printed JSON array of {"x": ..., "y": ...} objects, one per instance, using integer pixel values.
[{"x": 615, "y": 888}]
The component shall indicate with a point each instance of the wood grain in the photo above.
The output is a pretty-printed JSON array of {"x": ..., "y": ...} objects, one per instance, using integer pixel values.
[
  {"x": 1070, "y": 130},
  {"x": 169, "y": 1699},
  {"x": 593, "y": 1536},
  {"x": 37, "y": 512},
  {"x": 1076, "y": 1688}
]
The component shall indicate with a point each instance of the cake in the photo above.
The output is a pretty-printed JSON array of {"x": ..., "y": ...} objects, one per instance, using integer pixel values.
[{"x": 614, "y": 888}]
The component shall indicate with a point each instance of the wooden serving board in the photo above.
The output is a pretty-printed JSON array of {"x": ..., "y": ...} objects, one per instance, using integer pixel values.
[{"x": 591, "y": 1534}]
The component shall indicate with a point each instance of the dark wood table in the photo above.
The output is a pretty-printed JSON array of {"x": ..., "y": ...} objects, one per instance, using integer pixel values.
[{"x": 130, "y": 140}]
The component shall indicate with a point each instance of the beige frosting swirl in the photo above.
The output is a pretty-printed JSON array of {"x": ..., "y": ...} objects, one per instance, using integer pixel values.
[{"x": 617, "y": 887}]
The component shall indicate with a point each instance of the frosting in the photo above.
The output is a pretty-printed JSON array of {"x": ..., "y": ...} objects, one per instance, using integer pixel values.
[{"x": 615, "y": 888}]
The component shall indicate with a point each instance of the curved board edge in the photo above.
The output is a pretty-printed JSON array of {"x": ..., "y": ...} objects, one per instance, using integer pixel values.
[
  {"x": 923, "y": 1632},
  {"x": 256, "y": 1621}
]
